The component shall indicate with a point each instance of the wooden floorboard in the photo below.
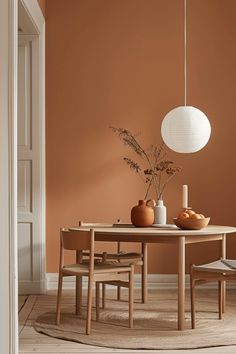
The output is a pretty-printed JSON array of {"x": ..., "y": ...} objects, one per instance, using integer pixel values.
[
  {"x": 21, "y": 301},
  {"x": 34, "y": 342},
  {"x": 25, "y": 311}
]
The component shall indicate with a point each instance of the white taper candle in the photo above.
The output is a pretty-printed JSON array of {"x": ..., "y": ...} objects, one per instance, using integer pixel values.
[{"x": 185, "y": 197}]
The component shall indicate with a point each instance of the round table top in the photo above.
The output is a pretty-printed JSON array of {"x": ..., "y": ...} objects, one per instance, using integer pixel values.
[{"x": 168, "y": 231}]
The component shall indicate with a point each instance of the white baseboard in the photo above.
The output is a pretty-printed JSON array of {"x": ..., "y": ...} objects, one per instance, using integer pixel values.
[
  {"x": 155, "y": 281},
  {"x": 32, "y": 287}
]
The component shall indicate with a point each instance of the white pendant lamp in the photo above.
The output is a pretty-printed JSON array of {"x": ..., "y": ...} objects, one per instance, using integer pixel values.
[{"x": 185, "y": 129}]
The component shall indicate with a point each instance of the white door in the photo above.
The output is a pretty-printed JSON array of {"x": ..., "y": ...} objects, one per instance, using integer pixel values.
[{"x": 29, "y": 190}]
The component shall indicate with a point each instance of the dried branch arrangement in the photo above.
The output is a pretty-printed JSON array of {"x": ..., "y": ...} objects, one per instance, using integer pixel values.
[{"x": 157, "y": 171}]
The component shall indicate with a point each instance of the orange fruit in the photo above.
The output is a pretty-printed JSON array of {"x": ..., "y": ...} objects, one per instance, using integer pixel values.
[
  {"x": 183, "y": 215},
  {"x": 195, "y": 216},
  {"x": 202, "y": 216},
  {"x": 190, "y": 212}
]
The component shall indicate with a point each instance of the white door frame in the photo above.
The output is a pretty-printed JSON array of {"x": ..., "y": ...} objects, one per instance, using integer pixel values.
[
  {"x": 8, "y": 176},
  {"x": 32, "y": 26},
  {"x": 8, "y": 162}
]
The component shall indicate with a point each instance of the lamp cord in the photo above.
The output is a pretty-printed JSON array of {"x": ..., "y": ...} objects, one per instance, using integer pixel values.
[{"x": 185, "y": 52}]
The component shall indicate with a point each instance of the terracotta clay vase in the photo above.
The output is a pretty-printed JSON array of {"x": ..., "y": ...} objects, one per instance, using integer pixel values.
[{"x": 142, "y": 215}]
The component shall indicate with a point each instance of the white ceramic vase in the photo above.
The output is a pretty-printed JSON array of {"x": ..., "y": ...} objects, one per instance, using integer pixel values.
[{"x": 160, "y": 213}]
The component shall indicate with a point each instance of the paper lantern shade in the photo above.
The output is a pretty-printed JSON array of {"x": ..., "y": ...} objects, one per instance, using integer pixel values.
[{"x": 185, "y": 129}]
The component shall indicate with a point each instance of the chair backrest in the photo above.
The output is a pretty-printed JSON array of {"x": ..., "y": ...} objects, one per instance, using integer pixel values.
[
  {"x": 96, "y": 224},
  {"x": 77, "y": 240}
]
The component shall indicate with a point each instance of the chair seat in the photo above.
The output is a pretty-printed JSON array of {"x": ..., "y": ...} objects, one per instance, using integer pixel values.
[
  {"x": 127, "y": 257},
  {"x": 124, "y": 255},
  {"x": 124, "y": 261},
  {"x": 219, "y": 266},
  {"x": 83, "y": 268},
  {"x": 118, "y": 255}
]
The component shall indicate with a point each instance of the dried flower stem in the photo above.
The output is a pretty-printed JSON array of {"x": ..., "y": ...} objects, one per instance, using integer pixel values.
[
  {"x": 164, "y": 185},
  {"x": 157, "y": 165}
]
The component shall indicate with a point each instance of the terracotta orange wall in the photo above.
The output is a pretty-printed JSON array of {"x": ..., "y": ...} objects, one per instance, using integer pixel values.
[
  {"x": 42, "y": 4},
  {"x": 120, "y": 63}
]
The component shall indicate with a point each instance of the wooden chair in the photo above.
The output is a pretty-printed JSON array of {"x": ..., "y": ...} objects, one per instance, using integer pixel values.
[
  {"x": 217, "y": 271},
  {"x": 95, "y": 272},
  {"x": 134, "y": 258}
]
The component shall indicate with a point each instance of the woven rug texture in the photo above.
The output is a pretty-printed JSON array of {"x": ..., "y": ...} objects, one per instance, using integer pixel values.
[{"x": 155, "y": 323}]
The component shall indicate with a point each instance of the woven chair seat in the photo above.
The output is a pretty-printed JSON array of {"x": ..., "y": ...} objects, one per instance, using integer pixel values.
[
  {"x": 83, "y": 268},
  {"x": 219, "y": 266},
  {"x": 124, "y": 255},
  {"x": 117, "y": 255}
]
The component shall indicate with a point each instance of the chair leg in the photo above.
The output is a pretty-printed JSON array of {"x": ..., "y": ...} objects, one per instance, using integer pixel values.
[
  {"x": 97, "y": 301},
  {"x": 144, "y": 273},
  {"x": 131, "y": 296},
  {"x": 223, "y": 295},
  {"x": 192, "y": 294},
  {"x": 79, "y": 283},
  {"x": 118, "y": 287},
  {"x": 103, "y": 295},
  {"x": 78, "y": 295},
  {"x": 220, "y": 298},
  {"x": 89, "y": 305},
  {"x": 118, "y": 293},
  {"x": 59, "y": 293}
]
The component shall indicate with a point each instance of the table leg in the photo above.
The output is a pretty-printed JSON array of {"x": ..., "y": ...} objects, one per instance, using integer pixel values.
[
  {"x": 78, "y": 287},
  {"x": 144, "y": 273},
  {"x": 181, "y": 282},
  {"x": 223, "y": 255}
]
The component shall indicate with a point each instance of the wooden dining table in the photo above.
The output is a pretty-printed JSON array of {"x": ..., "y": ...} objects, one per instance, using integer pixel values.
[{"x": 180, "y": 238}]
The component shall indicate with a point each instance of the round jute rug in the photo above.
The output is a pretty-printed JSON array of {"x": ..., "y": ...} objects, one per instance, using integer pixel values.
[{"x": 154, "y": 326}]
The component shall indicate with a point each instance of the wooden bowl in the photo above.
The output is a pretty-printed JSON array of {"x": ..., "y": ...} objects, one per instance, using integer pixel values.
[{"x": 191, "y": 224}]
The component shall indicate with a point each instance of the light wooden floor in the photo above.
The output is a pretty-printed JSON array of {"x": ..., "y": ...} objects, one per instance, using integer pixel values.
[
  {"x": 21, "y": 301},
  {"x": 33, "y": 342}
]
